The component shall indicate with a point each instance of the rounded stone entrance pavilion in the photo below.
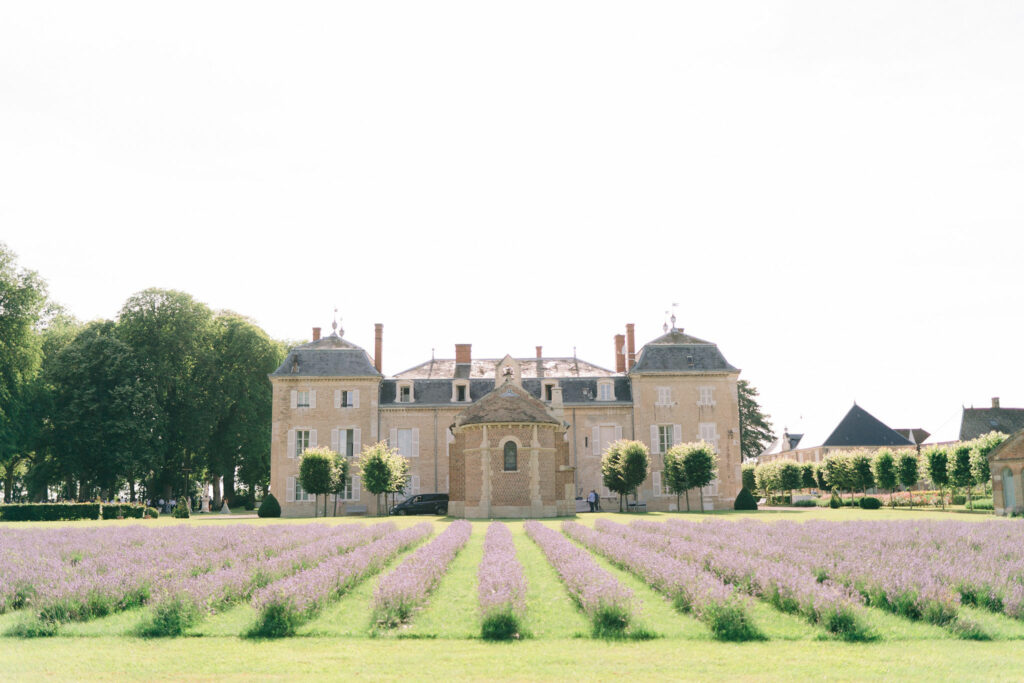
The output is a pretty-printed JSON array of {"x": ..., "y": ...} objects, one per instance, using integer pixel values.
[{"x": 510, "y": 458}]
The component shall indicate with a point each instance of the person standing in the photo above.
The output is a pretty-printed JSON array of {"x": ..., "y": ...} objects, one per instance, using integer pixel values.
[{"x": 592, "y": 500}]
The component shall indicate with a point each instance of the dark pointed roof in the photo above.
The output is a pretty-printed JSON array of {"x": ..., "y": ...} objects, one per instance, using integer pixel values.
[
  {"x": 861, "y": 428},
  {"x": 676, "y": 352},
  {"x": 330, "y": 356},
  {"x": 978, "y": 421},
  {"x": 507, "y": 403}
]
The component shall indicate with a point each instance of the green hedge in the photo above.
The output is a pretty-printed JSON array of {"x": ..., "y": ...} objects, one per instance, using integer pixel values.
[
  {"x": 126, "y": 510},
  {"x": 48, "y": 512},
  {"x": 870, "y": 503}
]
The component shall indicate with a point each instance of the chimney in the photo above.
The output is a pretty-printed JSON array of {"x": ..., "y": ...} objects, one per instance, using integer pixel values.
[
  {"x": 995, "y": 401},
  {"x": 540, "y": 363},
  {"x": 630, "y": 347},
  {"x": 463, "y": 354},
  {"x": 539, "y": 354},
  {"x": 378, "y": 346},
  {"x": 620, "y": 353},
  {"x": 316, "y": 334}
]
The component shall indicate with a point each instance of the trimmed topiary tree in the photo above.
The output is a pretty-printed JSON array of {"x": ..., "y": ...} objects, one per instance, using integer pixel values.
[
  {"x": 181, "y": 510},
  {"x": 835, "y": 502},
  {"x": 269, "y": 507},
  {"x": 883, "y": 466},
  {"x": 747, "y": 475},
  {"x": 745, "y": 500},
  {"x": 316, "y": 473},
  {"x": 936, "y": 465},
  {"x": 907, "y": 470},
  {"x": 870, "y": 503}
]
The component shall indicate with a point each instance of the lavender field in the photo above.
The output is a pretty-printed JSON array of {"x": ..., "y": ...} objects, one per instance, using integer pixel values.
[{"x": 680, "y": 578}]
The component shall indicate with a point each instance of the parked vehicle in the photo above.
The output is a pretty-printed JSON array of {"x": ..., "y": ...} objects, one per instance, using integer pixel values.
[{"x": 423, "y": 504}]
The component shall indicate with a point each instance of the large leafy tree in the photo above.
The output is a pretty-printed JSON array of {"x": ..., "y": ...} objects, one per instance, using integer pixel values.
[
  {"x": 316, "y": 473},
  {"x": 23, "y": 299},
  {"x": 790, "y": 475},
  {"x": 936, "y": 465},
  {"x": 104, "y": 414},
  {"x": 171, "y": 335},
  {"x": 624, "y": 467},
  {"x": 980, "y": 448},
  {"x": 674, "y": 474},
  {"x": 860, "y": 467},
  {"x": 908, "y": 470},
  {"x": 755, "y": 430},
  {"x": 837, "y": 469},
  {"x": 883, "y": 467},
  {"x": 959, "y": 468},
  {"x": 375, "y": 469},
  {"x": 700, "y": 463}
]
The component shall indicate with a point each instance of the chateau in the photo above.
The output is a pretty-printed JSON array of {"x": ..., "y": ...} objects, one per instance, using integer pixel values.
[{"x": 508, "y": 437}]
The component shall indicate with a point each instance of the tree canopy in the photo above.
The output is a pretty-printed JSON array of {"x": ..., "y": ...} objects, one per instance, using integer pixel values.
[
  {"x": 624, "y": 467},
  {"x": 755, "y": 429}
]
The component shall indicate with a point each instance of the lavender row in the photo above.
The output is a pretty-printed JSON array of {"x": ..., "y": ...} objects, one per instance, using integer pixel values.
[
  {"x": 833, "y": 607},
  {"x": 501, "y": 586},
  {"x": 286, "y": 604},
  {"x": 408, "y": 586},
  {"x": 607, "y": 603},
  {"x": 690, "y": 588}
]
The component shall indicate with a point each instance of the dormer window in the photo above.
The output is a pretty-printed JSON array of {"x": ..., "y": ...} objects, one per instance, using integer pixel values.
[
  {"x": 605, "y": 391},
  {"x": 405, "y": 392},
  {"x": 460, "y": 392},
  {"x": 547, "y": 391}
]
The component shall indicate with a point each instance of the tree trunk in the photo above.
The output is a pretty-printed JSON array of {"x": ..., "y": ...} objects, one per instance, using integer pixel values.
[
  {"x": 688, "y": 500},
  {"x": 620, "y": 502},
  {"x": 215, "y": 505},
  {"x": 700, "y": 498},
  {"x": 677, "y": 502},
  {"x": 131, "y": 490},
  {"x": 229, "y": 484},
  {"x": 335, "y": 504},
  {"x": 9, "y": 485},
  {"x": 325, "y": 505}
]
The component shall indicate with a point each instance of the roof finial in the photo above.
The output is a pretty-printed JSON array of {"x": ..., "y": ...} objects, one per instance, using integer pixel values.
[
  {"x": 664, "y": 325},
  {"x": 673, "y": 318},
  {"x": 334, "y": 325}
]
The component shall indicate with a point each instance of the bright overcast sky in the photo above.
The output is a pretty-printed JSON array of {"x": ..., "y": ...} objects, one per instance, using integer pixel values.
[{"x": 832, "y": 192}]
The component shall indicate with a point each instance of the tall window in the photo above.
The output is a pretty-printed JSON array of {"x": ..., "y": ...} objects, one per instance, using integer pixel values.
[
  {"x": 348, "y": 443},
  {"x": 346, "y": 399},
  {"x": 664, "y": 396},
  {"x": 302, "y": 399},
  {"x": 460, "y": 392},
  {"x": 664, "y": 438},
  {"x": 511, "y": 453},
  {"x": 604, "y": 391},
  {"x": 405, "y": 394},
  {"x": 1009, "y": 495},
  {"x": 707, "y": 396},
  {"x": 300, "y": 495},
  {"x": 301, "y": 442},
  {"x": 405, "y": 442}
]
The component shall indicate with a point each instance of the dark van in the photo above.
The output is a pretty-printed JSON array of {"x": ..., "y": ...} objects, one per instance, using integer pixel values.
[{"x": 423, "y": 504}]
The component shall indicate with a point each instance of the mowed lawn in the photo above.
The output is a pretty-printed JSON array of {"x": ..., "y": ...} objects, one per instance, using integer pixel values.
[{"x": 442, "y": 639}]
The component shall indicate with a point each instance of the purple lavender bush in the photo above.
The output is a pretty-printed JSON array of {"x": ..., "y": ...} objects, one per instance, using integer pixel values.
[{"x": 501, "y": 586}]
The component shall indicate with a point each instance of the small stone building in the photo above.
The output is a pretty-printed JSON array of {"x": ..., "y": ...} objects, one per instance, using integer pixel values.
[
  {"x": 1006, "y": 464},
  {"x": 510, "y": 458}
]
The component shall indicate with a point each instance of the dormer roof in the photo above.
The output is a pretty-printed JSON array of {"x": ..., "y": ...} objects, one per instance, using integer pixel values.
[{"x": 508, "y": 403}]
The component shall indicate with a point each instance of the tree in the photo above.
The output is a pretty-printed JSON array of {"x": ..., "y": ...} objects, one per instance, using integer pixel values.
[
  {"x": 624, "y": 467},
  {"x": 907, "y": 469},
  {"x": 959, "y": 469},
  {"x": 755, "y": 429},
  {"x": 790, "y": 475},
  {"x": 674, "y": 474},
  {"x": 700, "y": 462},
  {"x": 980, "y": 448},
  {"x": 340, "y": 478},
  {"x": 838, "y": 471},
  {"x": 316, "y": 473},
  {"x": 860, "y": 468},
  {"x": 883, "y": 467},
  {"x": 747, "y": 476},
  {"x": 936, "y": 463},
  {"x": 766, "y": 477},
  {"x": 375, "y": 469},
  {"x": 398, "y": 465},
  {"x": 808, "y": 476}
]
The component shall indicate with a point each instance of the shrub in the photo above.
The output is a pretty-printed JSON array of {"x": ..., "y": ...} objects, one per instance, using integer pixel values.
[
  {"x": 835, "y": 502},
  {"x": 745, "y": 501},
  {"x": 501, "y": 625},
  {"x": 270, "y": 507},
  {"x": 806, "y": 503},
  {"x": 779, "y": 499},
  {"x": 181, "y": 511},
  {"x": 958, "y": 499},
  {"x": 152, "y": 512},
  {"x": 48, "y": 512},
  {"x": 171, "y": 618},
  {"x": 870, "y": 503},
  {"x": 984, "y": 504}
]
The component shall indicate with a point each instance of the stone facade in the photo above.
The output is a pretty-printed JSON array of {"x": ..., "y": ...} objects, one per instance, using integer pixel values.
[
  {"x": 675, "y": 388},
  {"x": 1006, "y": 464}
]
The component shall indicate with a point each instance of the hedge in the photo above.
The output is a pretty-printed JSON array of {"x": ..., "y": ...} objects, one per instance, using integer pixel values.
[
  {"x": 126, "y": 510},
  {"x": 870, "y": 503},
  {"x": 48, "y": 512}
]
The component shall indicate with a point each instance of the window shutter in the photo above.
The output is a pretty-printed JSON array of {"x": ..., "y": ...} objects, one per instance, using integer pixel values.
[
  {"x": 595, "y": 440},
  {"x": 289, "y": 494},
  {"x": 354, "y": 398},
  {"x": 677, "y": 434},
  {"x": 355, "y": 487},
  {"x": 312, "y": 438},
  {"x": 416, "y": 444},
  {"x": 655, "y": 446},
  {"x": 656, "y": 480},
  {"x": 618, "y": 433},
  {"x": 337, "y": 398},
  {"x": 357, "y": 444},
  {"x": 334, "y": 440},
  {"x": 291, "y": 441},
  {"x": 393, "y": 438},
  {"x": 312, "y": 399},
  {"x": 295, "y": 399}
]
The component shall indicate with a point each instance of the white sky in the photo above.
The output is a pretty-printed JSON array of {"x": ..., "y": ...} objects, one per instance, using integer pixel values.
[{"x": 831, "y": 191}]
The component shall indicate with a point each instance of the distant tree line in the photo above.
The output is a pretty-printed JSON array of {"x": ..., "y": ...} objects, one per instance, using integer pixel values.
[{"x": 94, "y": 409}]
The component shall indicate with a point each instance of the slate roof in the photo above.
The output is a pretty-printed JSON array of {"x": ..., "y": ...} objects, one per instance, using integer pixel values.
[
  {"x": 676, "y": 336},
  {"x": 507, "y": 403},
  {"x": 330, "y": 356},
  {"x": 978, "y": 421},
  {"x": 485, "y": 367},
  {"x": 675, "y": 358},
  {"x": 915, "y": 434},
  {"x": 786, "y": 442},
  {"x": 857, "y": 428},
  {"x": 439, "y": 391}
]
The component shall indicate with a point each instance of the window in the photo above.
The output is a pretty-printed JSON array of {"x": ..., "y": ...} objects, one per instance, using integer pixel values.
[
  {"x": 352, "y": 487},
  {"x": 300, "y": 495},
  {"x": 707, "y": 397},
  {"x": 1009, "y": 495},
  {"x": 461, "y": 392},
  {"x": 511, "y": 451},
  {"x": 407, "y": 442},
  {"x": 664, "y": 396},
  {"x": 708, "y": 432},
  {"x": 605, "y": 391},
  {"x": 346, "y": 399},
  {"x": 548, "y": 390},
  {"x": 405, "y": 393},
  {"x": 664, "y": 438},
  {"x": 302, "y": 400},
  {"x": 301, "y": 442}
]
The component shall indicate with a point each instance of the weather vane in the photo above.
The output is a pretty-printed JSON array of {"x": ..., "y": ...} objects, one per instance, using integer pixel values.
[{"x": 334, "y": 325}]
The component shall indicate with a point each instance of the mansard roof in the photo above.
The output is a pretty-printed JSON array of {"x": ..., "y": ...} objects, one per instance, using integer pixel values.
[
  {"x": 330, "y": 356},
  {"x": 507, "y": 403},
  {"x": 439, "y": 391},
  {"x": 484, "y": 367},
  {"x": 978, "y": 421},
  {"x": 676, "y": 352}
]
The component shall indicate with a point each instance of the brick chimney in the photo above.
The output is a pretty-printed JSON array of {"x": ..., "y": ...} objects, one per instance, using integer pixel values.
[
  {"x": 316, "y": 334},
  {"x": 539, "y": 354},
  {"x": 378, "y": 347},
  {"x": 463, "y": 353},
  {"x": 630, "y": 347},
  {"x": 620, "y": 353},
  {"x": 995, "y": 401}
]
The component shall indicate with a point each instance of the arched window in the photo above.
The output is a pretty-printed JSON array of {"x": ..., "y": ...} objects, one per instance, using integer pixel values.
[
  {"x": 511, "y": 452},
  {"x": 1009, "y": 495}
]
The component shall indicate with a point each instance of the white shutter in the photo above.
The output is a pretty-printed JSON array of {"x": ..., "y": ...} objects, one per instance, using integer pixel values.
[
  {"x": 289, "y": 494},
  {"x": 334, "y": 440},
  {"x": 291, "y": 442},
  {"x": 393, "y": 438},
  {"x": 354, "y": 398},
  {"x": 312, "y": 399},
  {"x": 312, "y": 438},
  {"x": 618, "y": 433},
  {"x": 355, "y": 487},
  {"x": 655, "y": 446},
  {"x": 416, "y": 444},
  {"x": 656, "y": 480},
  {"x": 677, "y": 434},
  {"x": 295, "y": 399},
  {"x": 357, "y": 444},
  {"x": 337, "y": 398},
  {"x": 595, "y": 440}
]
